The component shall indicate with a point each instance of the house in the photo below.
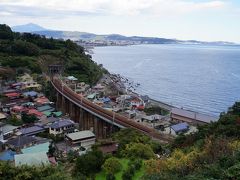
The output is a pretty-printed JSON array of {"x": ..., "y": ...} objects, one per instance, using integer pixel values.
[
  {"x": 152, "y": 118},
  {"x": 92, "y": 96},
  {"x": 31, "y": 85},
  {"x": 98, "y": 87},
  {"x": 33, "y": 130},
  {"x": 179, "y": 128},
  {"x": 109, "y": 148},
  {"x": 36, "y": 148},
  {"x": 31, "y": 159},
  {"x": 195, "y": 118},
  {"x": 105, "y": 99},
  {"x": 41, "y": 101},
  {"x": 18, "y": 109},
  {"x": 71, "y": 78},
  {"x": 47, "y": 113},
  {"x": 145, "y": 98},
  {"x": 136, "y": 102},
  {"x": 30, "y": 94},
  {"x": 48, "y": 121},
  {"x": 82, "y": 138},
  {"x": 35, "y": 112},
  {"x": 62, "y": 127},
  {"x": 45, "y": 108},
  {"x": 7, "y": 131},
  {"x": 13, "y": 95},
  {"x": 7, "y": 155},
  {"x": 21, "y": 142},
  {"x": 57, "y": 114},
  {"x": 28, "y": 104},
  {"x": 2, "y": 116},
  {"x": 17, "y": 85}
]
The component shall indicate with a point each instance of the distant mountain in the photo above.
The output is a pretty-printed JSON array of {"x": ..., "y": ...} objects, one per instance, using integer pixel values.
[
  {"x": 30, "y": 27},
  {"x": 76, "y": 35}
]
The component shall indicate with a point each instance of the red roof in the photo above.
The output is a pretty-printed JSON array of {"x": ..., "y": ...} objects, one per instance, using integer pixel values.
[
  {"x": 42, "y": 100},
  {"x": 18, "y": 108},
  {"x": 35, "y": 112},
  {"x": 141, "y": 107},
  {"x": 14, "y": 94}
]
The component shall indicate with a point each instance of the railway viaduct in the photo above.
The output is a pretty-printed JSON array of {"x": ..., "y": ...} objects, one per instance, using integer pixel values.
[{"x": 93, "y": 117}]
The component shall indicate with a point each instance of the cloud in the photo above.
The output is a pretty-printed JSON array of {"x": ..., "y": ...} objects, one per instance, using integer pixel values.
[{"x": 108, "y": 7}]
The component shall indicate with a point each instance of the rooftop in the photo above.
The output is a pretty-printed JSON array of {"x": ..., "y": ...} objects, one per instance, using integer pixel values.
[
  {"x": 7, "y": 155},
  {"x": 180, "y": 127},
  {"x": 21, "y": 141},
  {"x": 31, "y": 159},
  {"x": 31, "y": 130},
  {"x": 30, "y": 93},
  {"x": 8, "y": 128},
  {"x": 80, "y": 135},
  {"x": 2, "y": 116},
  {"x": 62, "y": 123},
  {"x": 37, "y": 148},
  {"x": 45, "y": 108},
  {"x": 194, "y": 115}
]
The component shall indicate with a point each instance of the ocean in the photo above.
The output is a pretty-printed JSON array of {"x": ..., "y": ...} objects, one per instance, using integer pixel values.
[{"x": 200, "y": 78}]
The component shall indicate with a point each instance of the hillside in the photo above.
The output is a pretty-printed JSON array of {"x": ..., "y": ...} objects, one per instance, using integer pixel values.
[
  {"x": 76, "y": 35},
  {"x": 211, "y": 153},
  {"x": 25, "y": 51}
]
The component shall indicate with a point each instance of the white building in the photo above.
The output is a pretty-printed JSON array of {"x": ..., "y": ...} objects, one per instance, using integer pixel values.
[{"x": 82, "y": 138}]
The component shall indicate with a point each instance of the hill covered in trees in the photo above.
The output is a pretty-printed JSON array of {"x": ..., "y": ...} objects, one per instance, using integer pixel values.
[{"x": 25, "y": 51}]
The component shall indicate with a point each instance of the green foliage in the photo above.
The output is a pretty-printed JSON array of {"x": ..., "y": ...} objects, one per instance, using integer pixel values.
[
  {"x": 110, "y": 177},
  {"x": 51, "y": 149},
  {"x": 13, "y": 120},
  {"x": 8, "y": 171},
  {"x": 28, "y": 118},
  {"x": 37, "y": 52},
  {"x": 233, "y": 172},
  {"x": 127, "y": 136},
  {"x": 25, "y": 48},
  {"x": 112, "y": 165},
  {"x": 5, "y": 32},
  {"x": 89, "y": 164},
  {"x": 211, "y": 153},
  {"x": 55, "y": 138},
  {"x": 155, "y": 110},
  {"x": 138, "y": 150}
]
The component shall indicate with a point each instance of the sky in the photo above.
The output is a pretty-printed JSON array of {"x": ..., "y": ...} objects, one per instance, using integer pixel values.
[{"x": 207, "y": 20}]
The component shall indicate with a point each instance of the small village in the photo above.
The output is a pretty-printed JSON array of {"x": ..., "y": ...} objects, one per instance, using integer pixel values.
[{"x": 33, "y": 131}]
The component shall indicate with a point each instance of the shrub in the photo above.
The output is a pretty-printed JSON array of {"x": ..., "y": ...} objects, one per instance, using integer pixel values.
[{"x": 112, "y": 165}]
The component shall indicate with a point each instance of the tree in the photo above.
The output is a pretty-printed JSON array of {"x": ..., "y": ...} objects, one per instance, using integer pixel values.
[
  {"x": 25, "y": 48},
  {"x": 89, "y": 164},
  {"x": 5, "y": 32},
  {"x": 51, "y": 149},
  {"x": 112, "y": 165},
  {"x": 28, "y": 118},
  {"x": 138, "y": 150}
]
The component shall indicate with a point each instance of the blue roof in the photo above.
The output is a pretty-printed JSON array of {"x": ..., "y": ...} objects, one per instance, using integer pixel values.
[
  {"x": 7, "y": 155},
  {"x": 31, "y": 130},
  {"x": 30, "y": 93},
  {"x": 61, "y": 123},
  {"x": 180, "y": 127},
  {"x": 106, "y": 99}
]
